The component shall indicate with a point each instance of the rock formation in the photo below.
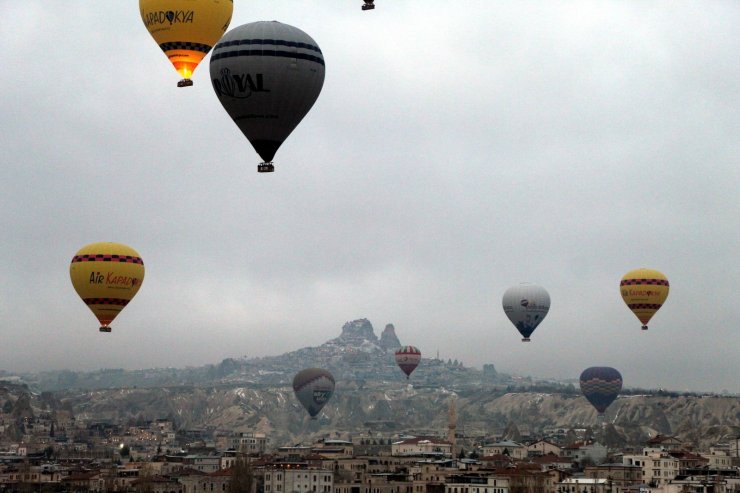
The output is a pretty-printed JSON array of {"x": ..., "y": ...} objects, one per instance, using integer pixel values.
[{"x": 388, "y": 339}]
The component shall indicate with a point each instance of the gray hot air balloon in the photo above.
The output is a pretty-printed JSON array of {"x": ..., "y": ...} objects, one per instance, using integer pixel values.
[
  {"x": 313, "y": 387},
  {"x": 526, "y": 305},
  {"x": 267, "y": 76}
]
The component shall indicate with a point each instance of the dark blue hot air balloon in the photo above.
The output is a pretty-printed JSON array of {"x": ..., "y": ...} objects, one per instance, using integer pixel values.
[{"x": 601, "y": 385}]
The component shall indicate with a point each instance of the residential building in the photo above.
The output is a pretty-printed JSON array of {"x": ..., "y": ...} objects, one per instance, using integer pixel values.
[
  {"x": 422, "y": 446},
  {"x": 297, "y": 479},
  {"x": 507, "y": 447}
]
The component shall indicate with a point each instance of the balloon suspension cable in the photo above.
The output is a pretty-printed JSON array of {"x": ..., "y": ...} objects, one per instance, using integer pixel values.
[
  {"x": 644, "y": 327},
  {"x": 185, "y": 83},
  {"x": 105, "y": 328},
  {"x": 265, "y": 167}
]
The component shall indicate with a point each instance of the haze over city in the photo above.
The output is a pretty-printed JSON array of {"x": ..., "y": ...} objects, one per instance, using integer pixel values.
[{"x": 456, "y": 149}]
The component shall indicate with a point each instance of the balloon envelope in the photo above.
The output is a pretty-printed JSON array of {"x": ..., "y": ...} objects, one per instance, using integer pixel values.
[
  {"x": 408, "y": 358},
  {"x": 313, "y": 387},
  {"x": 526, "y": 305},
  {"x": 267, "y": 76},
  {"x": 186, "y": 30},
  {"x": 106, "y": 276},
  {"x": 644, "y": 291},
  {"x": 601, "y": 385}
]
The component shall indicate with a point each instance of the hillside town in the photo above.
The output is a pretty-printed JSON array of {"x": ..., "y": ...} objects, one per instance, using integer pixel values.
[{"x": 55, "y": 452}]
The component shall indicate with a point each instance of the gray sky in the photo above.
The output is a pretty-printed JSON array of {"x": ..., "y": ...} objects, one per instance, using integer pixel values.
[{"x": 457, "y": 148}]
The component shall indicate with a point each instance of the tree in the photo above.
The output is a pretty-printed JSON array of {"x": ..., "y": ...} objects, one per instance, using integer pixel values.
[
  {"x": 49, "y": 452},
  {"x": 242, "y": 476}
]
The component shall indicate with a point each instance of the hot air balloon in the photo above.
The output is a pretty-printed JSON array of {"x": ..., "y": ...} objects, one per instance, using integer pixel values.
[
  {"x": 526, "y": 305},
  {"x": 313, "y": 387},
  {"x": 106, "y": 276},
  {"x": 267, "y": 76},
  {"x": 186, "y": 30},
  {"x": 601, "y": 385},
  {"x": 644, "y": 291},
  {"x": 408, "y": 358}
]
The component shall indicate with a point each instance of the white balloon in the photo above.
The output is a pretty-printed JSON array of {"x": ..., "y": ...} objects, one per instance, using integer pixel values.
[{"x": 526, "y": 305}]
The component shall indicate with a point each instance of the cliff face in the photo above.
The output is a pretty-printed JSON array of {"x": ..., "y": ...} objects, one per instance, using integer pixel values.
[
  {"x": 397, "y": 407},
  {"x": 357, "y": 331},
  {"x": 371, "y": 394}
]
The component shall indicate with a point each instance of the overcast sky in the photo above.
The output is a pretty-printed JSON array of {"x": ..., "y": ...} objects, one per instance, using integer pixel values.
[{"x": 457, "y": 148}]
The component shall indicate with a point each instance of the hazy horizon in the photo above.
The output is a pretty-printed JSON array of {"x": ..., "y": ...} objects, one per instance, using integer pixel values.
[{"x": 454, "y": 151}]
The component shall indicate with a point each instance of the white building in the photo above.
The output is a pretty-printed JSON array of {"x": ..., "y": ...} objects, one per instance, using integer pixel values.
[
  {"x": 251, "y": 443},
  {"x": 298, "y": 480},
  {"x": 594, "y": 452},
  {"x": 422, "y": 446},
  {"x": 658, "y": 468},
  {"x": 542, "y": 447},
  {"x": 579, "y": 485},
  {"x": 718, "y": 459},
  {"x": 476, "y": 484},
  {"x": 507, "y": 447}
]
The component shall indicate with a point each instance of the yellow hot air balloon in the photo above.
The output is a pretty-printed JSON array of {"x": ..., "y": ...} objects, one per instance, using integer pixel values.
[
  {"x": 186, "y": 30},
  {"x": 644, "y": 291},
  {"x": 106, "y": 276}
]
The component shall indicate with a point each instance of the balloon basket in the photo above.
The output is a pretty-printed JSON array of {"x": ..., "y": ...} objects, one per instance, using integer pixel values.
[
  {"x": 526, "y": 339},
  {"x": 185, "y": 83},
  {"x": 644, "y": 327},
  {"x": 265, "y": 168},
  {"x": 105, "y": 329},
  {"x": 368, "y": 6}
]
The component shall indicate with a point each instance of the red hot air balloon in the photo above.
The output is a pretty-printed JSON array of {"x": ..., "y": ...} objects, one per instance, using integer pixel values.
[{"x": 408, "y": 358}]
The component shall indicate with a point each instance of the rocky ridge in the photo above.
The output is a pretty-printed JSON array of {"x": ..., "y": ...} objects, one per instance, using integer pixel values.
[{"x": 372, "y": 395}]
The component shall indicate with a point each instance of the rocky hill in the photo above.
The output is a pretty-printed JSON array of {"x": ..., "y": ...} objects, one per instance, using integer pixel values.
[{"x": 372, "y": 395}]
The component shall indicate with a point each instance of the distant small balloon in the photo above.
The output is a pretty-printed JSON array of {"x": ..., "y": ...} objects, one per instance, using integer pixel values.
[
  {"x": 601, "y": 385},
  {"x": 313, "y": 387},
  {"x": 526, "y": 305},
  {"x": 644, "y": 291},
  {"x": 408, "y": 358},
  {"x": 106, "y": 276}
]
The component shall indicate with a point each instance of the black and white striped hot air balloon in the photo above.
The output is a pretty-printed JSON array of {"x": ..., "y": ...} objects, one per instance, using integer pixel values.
[{"x": 267, "y": 76}]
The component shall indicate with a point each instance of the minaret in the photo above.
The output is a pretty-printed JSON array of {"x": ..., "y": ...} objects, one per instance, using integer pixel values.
[{"x": 452, "y": 426}]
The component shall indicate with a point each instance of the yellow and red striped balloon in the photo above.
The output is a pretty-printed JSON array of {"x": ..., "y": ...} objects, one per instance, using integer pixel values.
[
  {"x": 644, "y": 291},
  {"x": 106, "y": 276}
]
